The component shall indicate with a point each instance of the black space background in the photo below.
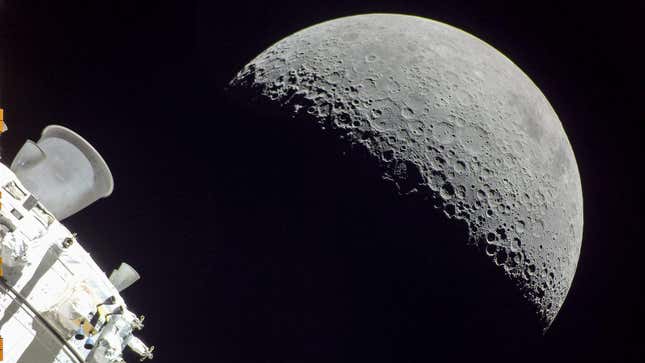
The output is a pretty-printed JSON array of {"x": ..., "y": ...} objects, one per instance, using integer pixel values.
[{"x": 143, "y": 81}]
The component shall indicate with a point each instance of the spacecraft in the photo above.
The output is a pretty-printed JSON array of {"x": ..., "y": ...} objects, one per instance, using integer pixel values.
[{"x": 56, "y": 304}]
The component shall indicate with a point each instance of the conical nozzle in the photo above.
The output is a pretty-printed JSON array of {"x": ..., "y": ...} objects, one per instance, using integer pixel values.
[{"x": 63, "y": 171}]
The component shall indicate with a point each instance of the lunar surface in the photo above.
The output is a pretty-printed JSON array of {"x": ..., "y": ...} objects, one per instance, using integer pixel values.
[{"x": 449, "y": 119}]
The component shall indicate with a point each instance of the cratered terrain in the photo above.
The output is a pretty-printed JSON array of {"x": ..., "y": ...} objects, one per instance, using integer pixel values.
[{"x": 446, "y": 119}]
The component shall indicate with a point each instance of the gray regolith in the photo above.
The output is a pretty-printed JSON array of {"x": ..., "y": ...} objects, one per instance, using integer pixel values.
[{"x": 419, "y": 94}]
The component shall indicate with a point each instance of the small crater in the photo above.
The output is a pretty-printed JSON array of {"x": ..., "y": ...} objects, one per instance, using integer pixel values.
[
  {"x": 371, "y": 58},
  {"x": 407, "y": 113},
  {"x": 460, "y": 166},
  {"x": 520, "y": 227},
  {"x": 447, "y": 191}
]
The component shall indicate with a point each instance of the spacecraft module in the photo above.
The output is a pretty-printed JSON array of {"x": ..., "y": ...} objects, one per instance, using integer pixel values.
[{"x": 56, "y": 304}]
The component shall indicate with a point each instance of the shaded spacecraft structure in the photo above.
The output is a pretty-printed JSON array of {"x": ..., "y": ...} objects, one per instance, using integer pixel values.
[{"x": 56, "y": 304}]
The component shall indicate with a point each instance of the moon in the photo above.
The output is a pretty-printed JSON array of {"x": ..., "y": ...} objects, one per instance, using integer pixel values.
[{"x": 447, "y": 118}]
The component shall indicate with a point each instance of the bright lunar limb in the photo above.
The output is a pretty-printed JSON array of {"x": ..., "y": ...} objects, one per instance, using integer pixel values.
[{"x": 451, "y": 119}]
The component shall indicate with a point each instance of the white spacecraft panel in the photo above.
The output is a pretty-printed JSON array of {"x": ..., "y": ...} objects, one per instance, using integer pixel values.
[
  {"x": 27, "y": 339},
  {"x": 56, "y": 304}
]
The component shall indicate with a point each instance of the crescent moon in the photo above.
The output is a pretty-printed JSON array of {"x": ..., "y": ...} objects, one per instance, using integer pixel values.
[{"x": 451, "y": 119}]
